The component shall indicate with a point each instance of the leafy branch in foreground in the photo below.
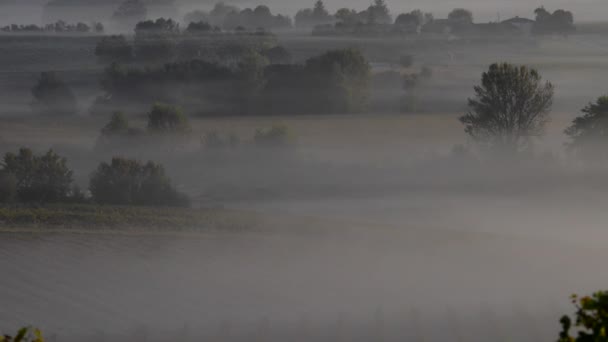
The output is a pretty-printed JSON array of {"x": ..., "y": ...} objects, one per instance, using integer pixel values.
[
  {"x": 591, "y": 319},
  {"x": 26, "y": 334}
]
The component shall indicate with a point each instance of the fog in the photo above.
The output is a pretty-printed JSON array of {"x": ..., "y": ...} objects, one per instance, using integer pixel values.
[{"x": 383, "y": 224}]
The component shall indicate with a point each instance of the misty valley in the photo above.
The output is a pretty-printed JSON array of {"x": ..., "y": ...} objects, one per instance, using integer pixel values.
[{"x": 323, "y": 171}]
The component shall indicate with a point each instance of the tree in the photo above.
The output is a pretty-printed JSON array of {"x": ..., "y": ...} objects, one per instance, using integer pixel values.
[
  {"x": 414, "y": 18},
  {"x": 164, "y": 118},
  {"x": 378, "y": 13},
  {"x": 44, "y": 178},
  {"x": 347, "y": 16},
  {"x": 129, "y": 182},
  {"x": 53, "y": 96},
  {"x": 461, "y": 15},
  {"x": 277, "y": 55},
  {"x": 510, "y": 106},
  {"x": 319, "y": 10},
  {"x": 589, "y": 132},
  {"x": 591, "y": 319},
  {"x": 561, "y": 22},
  {"x": 340, "y": 79}
]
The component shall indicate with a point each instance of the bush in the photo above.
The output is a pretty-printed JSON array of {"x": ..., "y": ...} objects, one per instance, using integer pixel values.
[
  {"x": 117, "y": 132},
  {"x": 53, "y": 96},
  {"x": 591, "y": 319},
  {"x": 129, "y": 182},
  {"x": 44, "y": 178},
  {"x": 589, "y": 133},
  {"x": 164, "y": 118},
  {"x": 275, "y": 136}
]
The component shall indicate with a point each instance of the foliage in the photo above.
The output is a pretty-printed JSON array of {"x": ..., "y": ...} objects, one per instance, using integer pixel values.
[
  {"x": 591, "y": 319},
  {"x": 461, "y": 15},
  {"x": 510, "y": 106},
  {"x": 340, "y": 80},
  {"x": 114, "y": 48},
  {"x": 164, "y": 118},
  {"x": 378, "y": 13},
  {"x": 275, "y": 136},
  {"x": 57, "y": 27},
  {"x": 310, "y": 17},
  {"x": 129, "y": 182},
  {"x": 560, "y": 22},
  {"x": 128, "y": 218},
  {"x": 26, "y": 334},
  {"x": 156, "y": 40},
  {"x": 52, "y": 96},
  {"x": 589, "y": 132},
  {"x": 44, "y": 178}
]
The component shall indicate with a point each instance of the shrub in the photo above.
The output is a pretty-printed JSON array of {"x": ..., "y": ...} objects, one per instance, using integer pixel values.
[
  {"x": 164, "y": 118},
  {"x": 117, "y": 131},
  {"x": 44, "y": 178},
  {"x": 589, "y": 132},
  {"x": 129, "y": 182},
  {"x": 276, "y": 136},
  {"x": 591, "y": 319},
  {"x": 53, "y": 96}
]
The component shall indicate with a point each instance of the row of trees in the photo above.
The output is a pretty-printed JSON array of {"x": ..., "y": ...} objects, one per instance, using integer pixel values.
[
  {"x": 231, "y": 17},
  {"x": 512, "y": 106},
  {"x": 162, "y": 40},
  {"x": 337, "y": 81},
  {"x": 29, "y": 178},
  {"x": 57, "y": 27}
]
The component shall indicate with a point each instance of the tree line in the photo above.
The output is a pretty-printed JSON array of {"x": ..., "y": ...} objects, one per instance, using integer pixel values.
[
  {"x": 26, "y": 177},
  {"x": 57, "y": 27}
]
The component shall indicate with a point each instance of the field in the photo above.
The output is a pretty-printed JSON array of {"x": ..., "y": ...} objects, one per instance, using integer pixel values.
[{"x": 370, "y": 227}]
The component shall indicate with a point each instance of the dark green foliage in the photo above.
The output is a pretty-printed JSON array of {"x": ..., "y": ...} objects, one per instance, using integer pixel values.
[
  {"x": 591, "y": 319},
  {"x": 129, "y": 182},
  {"x": 117, "y": 133},
  {"x": 199, "y": 27},
  {"x": 164, "y": 118},
  {"x": 313, "y": 16},
  {"x": 275, "y": 136},
  {"x": 198, "y": 83},
  {"x": 156, "y": 40},
  {"x": 510, "y": 106},
  {"x": 461, "y": 15},
  {"x": 44, "y": 178},
  {"x": 114, "y": 49},
  {"x": 558, "y": 22},
  {"x": 589, "y": 132},
  {"x": 25, "y": 334},
  {"x": 378, "y": 13},
  {"x": 52, "y": 96},
  {"x": 339, "y": 80},
  {"x": 259, "y": 17}
]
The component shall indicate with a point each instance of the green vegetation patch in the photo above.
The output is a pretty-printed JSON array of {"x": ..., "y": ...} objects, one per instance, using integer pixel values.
[{"x": 131, "y": 218}]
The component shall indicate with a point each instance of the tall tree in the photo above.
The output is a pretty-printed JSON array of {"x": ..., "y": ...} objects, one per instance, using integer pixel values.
[
  {"x": 510, "y": 106},
  {"x": 589, "y": 132}
]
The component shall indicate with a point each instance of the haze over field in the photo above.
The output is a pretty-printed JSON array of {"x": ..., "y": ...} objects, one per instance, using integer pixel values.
[{"x": 236, "y": 175}]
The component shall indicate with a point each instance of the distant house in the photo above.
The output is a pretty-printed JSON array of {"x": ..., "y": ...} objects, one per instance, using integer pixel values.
[{"x": 525, "y": 25}]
